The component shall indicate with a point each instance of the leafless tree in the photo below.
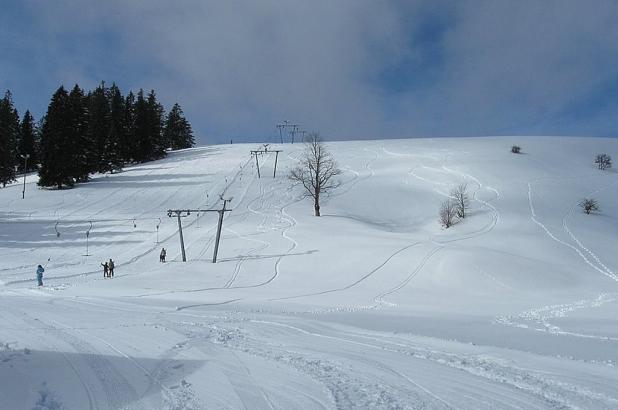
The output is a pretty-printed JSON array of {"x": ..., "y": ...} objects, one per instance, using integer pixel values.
[
  {"x": 589, "y": 205},
  {"x": 462, "y": 202},
  {"x": 448, "y": 213},
  {"x": 316, "y": 172},
  {"x": 515, "y": 149},
  {"x": 603, "y": 161}
]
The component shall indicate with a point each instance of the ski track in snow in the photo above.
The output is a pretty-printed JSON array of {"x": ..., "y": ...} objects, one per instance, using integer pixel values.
[
  {"x": 357, "y": 368},
  {"x": 538, "y": 319},
  {"x": 577, "y": 241},
  {"x": 379, "y": 300},
  {"x": 590, "y": 263},
  {"x": 542, "y": 388}
]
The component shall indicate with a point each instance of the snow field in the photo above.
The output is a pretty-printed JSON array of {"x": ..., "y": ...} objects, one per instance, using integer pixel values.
[{"x": 373, "y": 305}]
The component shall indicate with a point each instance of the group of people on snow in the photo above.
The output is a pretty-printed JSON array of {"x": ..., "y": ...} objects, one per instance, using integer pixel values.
[{"x": 108, "y": 268}]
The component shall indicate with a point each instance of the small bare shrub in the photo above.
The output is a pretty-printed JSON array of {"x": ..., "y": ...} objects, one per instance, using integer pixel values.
[
  {"x": 448, "y": 213},
  {"x": 462, "y": 202},
  {"x": 589, "y": 205},
  {"x": 603, "y": 161}
]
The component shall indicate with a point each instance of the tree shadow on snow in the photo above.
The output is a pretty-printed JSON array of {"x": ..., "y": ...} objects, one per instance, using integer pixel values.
[
  {"x": 52, "y": 380},
  {"x": 144, "y": 181},
  {"x": 44, "y": 233}
]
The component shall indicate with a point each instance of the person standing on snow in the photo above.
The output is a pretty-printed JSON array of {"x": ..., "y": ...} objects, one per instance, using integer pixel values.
[
  {"x": 162, "y": 255},
  {"x": 105, "y": 270},
  {"x": 111, "y": 268},
  {"x": 39, "y": 274}
]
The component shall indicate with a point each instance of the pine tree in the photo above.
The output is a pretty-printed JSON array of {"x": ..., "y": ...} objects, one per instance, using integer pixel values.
[
  {"x": 155, "y": 126},
  {"x": 55, "y": 155},
  {"x": 80, "y": 146},
  {"x": 27, "y": 140},
  {"x": 141, "y": 131},
  {"x": 177, "y": 132},
  {"x": 117, "y": 129},
  {"x": 9, "y": 129},
  {"x": 128, "y": 144},
  {"x": 148, "y": 128},
  {"x": 98, "y": 129},
  {"x": 38, "y": 130}
]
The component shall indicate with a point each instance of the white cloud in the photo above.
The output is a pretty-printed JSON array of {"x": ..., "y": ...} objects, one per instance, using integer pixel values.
[{"x": 237, "y": 67}]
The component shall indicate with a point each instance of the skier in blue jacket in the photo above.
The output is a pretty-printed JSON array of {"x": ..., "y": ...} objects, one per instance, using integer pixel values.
[{"x": 39, "y": 275}]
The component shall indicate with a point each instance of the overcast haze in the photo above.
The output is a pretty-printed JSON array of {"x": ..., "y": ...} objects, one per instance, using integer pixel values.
[{"x": 350, "y": 69}]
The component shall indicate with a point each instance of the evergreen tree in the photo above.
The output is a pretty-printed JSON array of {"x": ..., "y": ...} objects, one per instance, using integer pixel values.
[
  {"x": 27, "y": 140},
  {"x": 9, "y": 129},
  {"x": 117, "y": 129},
  {"x": 155, "y": 125},
  {"x": 128, "y": 145},
  {"x": 81, "y": 134},
  {"x": 38, "y": 130},
  {"x": 55, "y": 155},
  {"x": 177, "y": 132},
  {"x": 141, "y": 131},
  {"x": 98, "y": 129},
  {"x": 80, "y": 146},
  {"x": 148, "y": 128}
]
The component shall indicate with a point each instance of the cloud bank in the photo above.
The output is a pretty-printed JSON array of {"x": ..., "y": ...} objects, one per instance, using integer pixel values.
[{"x": 348, "y": 68}]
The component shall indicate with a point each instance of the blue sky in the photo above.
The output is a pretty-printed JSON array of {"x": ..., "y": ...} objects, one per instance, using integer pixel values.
[{"x": 348, "y": 69}]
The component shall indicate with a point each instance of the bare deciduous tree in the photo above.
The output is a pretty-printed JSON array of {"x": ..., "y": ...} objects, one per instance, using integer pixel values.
[
  {"x": 448, "y": 213},
  {"x": 589, "y": 205},
  {"x": 603, "y": 161},
  {"x": 462, "y": 202},
  {"x": 515, "y": 149},
  {"x": 316, "y": 172}
]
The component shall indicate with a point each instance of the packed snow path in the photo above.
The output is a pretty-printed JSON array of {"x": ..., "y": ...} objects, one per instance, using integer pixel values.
[{"x": 373, "y": 305}]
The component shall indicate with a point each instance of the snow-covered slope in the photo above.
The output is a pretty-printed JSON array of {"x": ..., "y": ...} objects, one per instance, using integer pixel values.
[{"x": 373, "y": 305}]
